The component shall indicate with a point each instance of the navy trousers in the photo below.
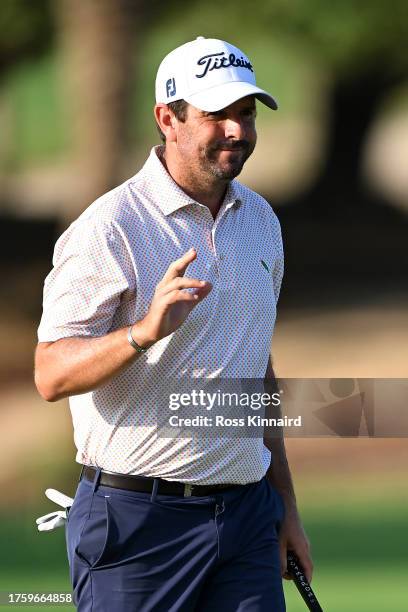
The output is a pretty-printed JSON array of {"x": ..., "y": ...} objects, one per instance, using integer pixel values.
[{"x": 142, "y": 552}]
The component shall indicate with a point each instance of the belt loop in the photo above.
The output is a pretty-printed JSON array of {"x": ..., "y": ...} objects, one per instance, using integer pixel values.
[
  {"x": 95, "y": 481},
  {"x": 187, "y": 490},
  {"x": 154, "y": 490},
  {"x": 81, "y": 472},
  {"x": 94, "y": 485}
]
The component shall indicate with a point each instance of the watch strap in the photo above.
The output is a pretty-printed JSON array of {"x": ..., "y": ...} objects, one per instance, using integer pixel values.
[{"x": 138, "y": 349}]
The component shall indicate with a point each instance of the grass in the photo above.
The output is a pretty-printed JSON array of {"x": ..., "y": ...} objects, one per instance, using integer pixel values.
[
  {"x": 353, "y": 588},
  {"x": 357, "y": 526},
  {"x": 359, "y": 550},
  {"x": 50, "y": 580},
  {"x": 345, "y": 589},
  {"x": 32, "y": 562}
]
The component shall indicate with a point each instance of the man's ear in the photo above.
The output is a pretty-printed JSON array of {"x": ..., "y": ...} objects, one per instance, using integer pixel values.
[{"x": 166, "y": 121}]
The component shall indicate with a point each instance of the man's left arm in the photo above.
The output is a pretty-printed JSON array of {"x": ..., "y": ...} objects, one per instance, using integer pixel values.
[{"x": 292, "y": 535}]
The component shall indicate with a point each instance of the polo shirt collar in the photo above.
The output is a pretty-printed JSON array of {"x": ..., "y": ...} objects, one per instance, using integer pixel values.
[{"x": 170, "y": 197}]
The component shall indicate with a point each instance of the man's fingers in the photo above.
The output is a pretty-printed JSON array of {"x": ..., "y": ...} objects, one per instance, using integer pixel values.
[
  {"x": 307, "y": 564},
  {"x": 284, "y": 560},
  {"x": 182, "y": 282},
  {"x": 179, "y": 266},
  {"x": 304, "y": 555},
  {"x": 197, "y": 295}
]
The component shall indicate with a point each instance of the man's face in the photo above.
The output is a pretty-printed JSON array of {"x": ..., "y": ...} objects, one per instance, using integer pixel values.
[{"x": 217, "y": 144}]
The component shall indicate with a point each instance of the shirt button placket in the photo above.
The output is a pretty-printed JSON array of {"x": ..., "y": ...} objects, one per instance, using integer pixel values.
[
  {"x": 217, "y": 257},
  {"x": 219, "y": 253},
  {"x": 209, "y": 231}
]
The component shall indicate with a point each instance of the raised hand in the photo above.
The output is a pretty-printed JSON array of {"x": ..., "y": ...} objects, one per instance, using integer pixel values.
[{"x": 171, "y": 303}]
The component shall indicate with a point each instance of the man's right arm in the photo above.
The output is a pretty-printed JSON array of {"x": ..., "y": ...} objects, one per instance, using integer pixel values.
[{"x": 75, "y": 365}]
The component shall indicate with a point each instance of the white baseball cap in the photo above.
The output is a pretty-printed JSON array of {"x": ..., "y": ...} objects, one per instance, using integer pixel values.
[{"x": 208, "y": 73}]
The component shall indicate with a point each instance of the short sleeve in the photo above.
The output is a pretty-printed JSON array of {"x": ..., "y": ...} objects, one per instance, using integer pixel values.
[{"x": 91, "y": 270}]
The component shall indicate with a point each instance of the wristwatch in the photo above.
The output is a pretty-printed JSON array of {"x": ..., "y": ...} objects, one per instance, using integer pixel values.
[{"x": 138, "y": 349}]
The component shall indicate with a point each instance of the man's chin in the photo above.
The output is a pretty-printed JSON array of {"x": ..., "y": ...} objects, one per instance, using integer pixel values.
[{"x": 227, "y": 171}]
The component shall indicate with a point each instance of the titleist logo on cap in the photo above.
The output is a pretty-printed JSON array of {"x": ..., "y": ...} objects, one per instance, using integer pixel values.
[{"x": 214, "y": 61}]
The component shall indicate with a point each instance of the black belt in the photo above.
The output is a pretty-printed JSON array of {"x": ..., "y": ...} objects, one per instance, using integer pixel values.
[{"x": 165, "y": 487}]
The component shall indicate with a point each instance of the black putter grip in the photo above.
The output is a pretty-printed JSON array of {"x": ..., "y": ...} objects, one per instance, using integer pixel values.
[{"x": 295, "y": 570}]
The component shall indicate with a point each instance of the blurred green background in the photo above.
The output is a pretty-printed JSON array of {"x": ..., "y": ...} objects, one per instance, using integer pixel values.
[{"x": 76, "y": 97}]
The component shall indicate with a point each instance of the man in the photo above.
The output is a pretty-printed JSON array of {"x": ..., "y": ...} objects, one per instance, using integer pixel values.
[{"x": 161, "y": 523}]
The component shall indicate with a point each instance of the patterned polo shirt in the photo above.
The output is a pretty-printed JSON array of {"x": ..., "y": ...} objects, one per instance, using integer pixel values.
[{"x": 106, "y": 266}]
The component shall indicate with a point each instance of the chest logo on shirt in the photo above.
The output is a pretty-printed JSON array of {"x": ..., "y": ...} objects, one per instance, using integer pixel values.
[{"x": 265, "y": 265}]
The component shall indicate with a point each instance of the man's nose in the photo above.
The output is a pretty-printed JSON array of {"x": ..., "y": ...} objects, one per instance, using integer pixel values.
[{"x": 234, "y": 128}]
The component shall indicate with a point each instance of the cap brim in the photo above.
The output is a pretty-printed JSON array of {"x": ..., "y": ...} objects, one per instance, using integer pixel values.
[{"x": 221, "y": 96}]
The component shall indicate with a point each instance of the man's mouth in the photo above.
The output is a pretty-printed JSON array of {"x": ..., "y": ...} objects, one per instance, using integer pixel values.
[
  {"x": 241, "y": 146},
  {"x": 232, "y": 150}
]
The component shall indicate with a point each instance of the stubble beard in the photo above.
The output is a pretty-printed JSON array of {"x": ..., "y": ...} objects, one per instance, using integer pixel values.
[{"x": 227, "y": 170}]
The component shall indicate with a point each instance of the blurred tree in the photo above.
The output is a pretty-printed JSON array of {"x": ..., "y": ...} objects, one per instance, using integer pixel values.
[
  {"x": 364, "y": 49},
  {"x": 97, "y": 41},
  {"x": 361, "y": 47},
  {"x": 26, "y": 30}
]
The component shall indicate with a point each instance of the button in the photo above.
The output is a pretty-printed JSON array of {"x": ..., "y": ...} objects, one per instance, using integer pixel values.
[
  {"x": 222, "y": 257},
  {"x": 238, "y": 202}
]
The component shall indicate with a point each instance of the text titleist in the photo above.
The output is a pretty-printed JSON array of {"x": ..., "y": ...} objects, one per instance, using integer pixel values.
[{"x": 214, "y": 61}]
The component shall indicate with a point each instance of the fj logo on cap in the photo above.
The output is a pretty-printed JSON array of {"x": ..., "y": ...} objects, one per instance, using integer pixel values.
[
  {"x": 171, "y": 88},
  {"x": 214, "y": 61}
]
